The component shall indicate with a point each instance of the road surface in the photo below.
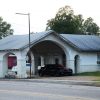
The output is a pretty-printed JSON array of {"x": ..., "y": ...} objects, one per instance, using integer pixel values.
[{"x": 23, "y": 90}]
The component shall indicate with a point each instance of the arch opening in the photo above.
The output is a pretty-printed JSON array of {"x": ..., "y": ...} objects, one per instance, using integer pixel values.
[
  {"x": 9, "y": 63},
  {"x": 48, "y": 52},
  {"x": 76, "y": 63}
]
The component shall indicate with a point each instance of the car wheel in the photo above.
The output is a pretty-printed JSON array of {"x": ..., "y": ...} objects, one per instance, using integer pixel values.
[
  {"x": 40, "y": 74},
  {"x": 57, "y": 74}
]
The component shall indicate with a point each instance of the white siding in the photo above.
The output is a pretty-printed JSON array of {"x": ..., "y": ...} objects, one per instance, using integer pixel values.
[{"x": 88, "y": 62}]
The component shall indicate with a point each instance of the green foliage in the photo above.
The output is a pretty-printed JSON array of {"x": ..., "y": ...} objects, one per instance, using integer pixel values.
[
  {"x": 66, "y": 22},
  {"x": 5, "y": 29},
  {"x": 90, "y": 27}
]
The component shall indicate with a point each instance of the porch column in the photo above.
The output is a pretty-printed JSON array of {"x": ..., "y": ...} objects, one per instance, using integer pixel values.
[
  {"x": 42, "y": 61},
  {"x": 71, "y": 64},
  {"x": 21, "y": 65},
  {"x": 32, "y": 63}
]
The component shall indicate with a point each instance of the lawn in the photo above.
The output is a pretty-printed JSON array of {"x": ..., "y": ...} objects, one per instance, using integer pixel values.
[
  {"x": 94, "y": 74},
  {"x": 97, "y": 73}
]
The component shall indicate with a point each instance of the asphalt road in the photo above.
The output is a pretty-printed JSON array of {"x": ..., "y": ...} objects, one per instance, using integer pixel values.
[{"x": 22, "y": 90}]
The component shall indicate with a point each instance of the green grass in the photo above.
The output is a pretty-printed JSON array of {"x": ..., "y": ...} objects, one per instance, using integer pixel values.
[{"x": 97, "y": 73}]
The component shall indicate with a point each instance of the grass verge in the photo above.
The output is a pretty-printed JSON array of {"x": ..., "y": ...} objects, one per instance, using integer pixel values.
[
  {"x": 94, "y": 74},
  {"x": 97, "y": 73}
]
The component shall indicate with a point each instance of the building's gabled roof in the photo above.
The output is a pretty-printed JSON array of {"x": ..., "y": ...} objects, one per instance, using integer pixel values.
[
  {"x": 79, "y": 42},
  {"x": 17, "y": 42},
  {"x": 83, "y": 42}
]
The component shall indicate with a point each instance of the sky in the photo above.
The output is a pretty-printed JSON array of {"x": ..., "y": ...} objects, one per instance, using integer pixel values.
[{"x": 43, "y": 10}]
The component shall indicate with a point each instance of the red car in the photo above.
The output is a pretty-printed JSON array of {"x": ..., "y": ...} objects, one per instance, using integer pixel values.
[{"x": 54, "y": 70}]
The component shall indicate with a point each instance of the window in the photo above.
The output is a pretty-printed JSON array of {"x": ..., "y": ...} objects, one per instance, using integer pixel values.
[
  {"x": 56, "y": 61},
  {"x": 39, "y": 61},
  {"x": 98, "y": 58},
  {"x": 12, "y": 61}
]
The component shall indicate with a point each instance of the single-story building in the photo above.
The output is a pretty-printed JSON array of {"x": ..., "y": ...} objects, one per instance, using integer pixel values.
[{"x": 81, "y": 53}]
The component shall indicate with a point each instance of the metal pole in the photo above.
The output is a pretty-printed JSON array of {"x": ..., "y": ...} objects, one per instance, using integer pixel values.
[
  {"x": 29, "y": 42},
  {"x": 28, "y": 14}
]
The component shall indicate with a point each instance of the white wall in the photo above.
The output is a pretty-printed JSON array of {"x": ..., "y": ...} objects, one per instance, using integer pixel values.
[
  {"x": 50, "y": 59},
  {"x": 88, "y": 62},
  {"x": 21, "y": 63},
  {"x": 1, "y": 65},
  {"x": 60, "y": 43},
  {"x": 69, "y": 51}
]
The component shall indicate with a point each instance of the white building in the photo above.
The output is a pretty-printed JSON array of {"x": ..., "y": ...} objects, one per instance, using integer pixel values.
[{"x": 79, "y": 52}]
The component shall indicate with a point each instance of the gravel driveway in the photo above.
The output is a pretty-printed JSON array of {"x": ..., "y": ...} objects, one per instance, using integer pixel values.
[{"x": 77, "y": 78}]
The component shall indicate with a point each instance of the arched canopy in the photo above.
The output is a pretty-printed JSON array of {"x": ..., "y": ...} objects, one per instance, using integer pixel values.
[
  {"x": 47, "y": 46},
  {"x": 48, "y": 52}
]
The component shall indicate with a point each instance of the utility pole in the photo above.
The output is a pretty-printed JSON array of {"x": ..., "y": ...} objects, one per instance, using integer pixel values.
[{"x": 28, "y": 14}]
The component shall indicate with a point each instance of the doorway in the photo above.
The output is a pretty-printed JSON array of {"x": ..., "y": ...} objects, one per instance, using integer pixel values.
[{"x": 76, "y": 63}]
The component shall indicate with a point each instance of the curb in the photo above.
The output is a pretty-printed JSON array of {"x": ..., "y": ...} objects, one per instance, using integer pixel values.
[{"x": 66, "y": 82}]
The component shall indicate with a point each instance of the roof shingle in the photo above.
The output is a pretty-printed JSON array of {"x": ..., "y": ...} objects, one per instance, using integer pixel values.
[
  {"x": 84, "y": 42},
  {"x": 80, "y": 42}
]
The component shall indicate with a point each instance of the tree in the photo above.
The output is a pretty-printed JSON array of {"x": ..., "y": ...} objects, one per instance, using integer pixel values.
[
  {"x": 90, "y": 27},
  {"x": 63, "y": 19},
  {"x": 5, "y": 28},
  {"x": 66, "y": 22}
]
